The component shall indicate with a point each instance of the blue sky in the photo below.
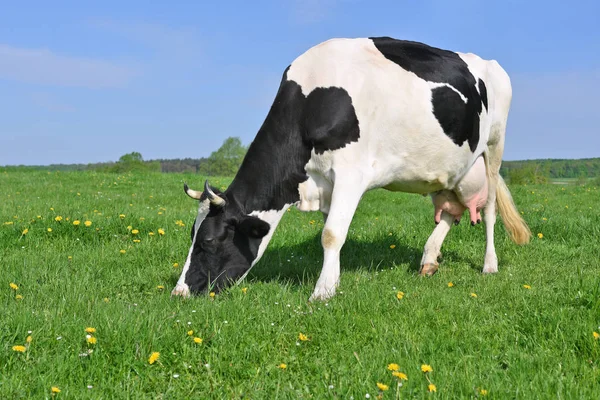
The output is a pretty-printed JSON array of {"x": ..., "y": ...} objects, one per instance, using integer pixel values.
[{"x": 83, "y": 82}]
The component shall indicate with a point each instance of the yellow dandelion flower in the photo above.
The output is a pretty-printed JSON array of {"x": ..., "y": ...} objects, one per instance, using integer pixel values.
[
  {"x": 55, "y": 389},
  {"x": 312, "y": 222},
  {"x": 135, "y": 232},
  {"x": 198, "y": 340},
  {"x": 49, "y": 229},
  {"x": 160, "y": 287},
  {"x": 596, "y": 335},
  {"x": 88, "y": 223},
  {"x": 431, "y": 387},
  {"x": 129, "y": 227},
  {"x": 122, "y": 251},
  {"x": 540, "y": 235},
  {"x": 20, "y": 349},
  {"x": 400, "y": 295},
  {"x": 566, "y": 206},
  {"x": 393, "y": 367},
  {"x": 106, "y": 300},
  {"x": 58, "y": 218},
  {"x": 29, "y": 339},
  {"x": 153, "y": 357},
  {"x": 19, "y": 297},
  {"x": 392, "y": 246},
  {"x": 175, "y": 265},
  {"x": 473, "y": 294},
  {"x": 161, "y": 231},
  {"x": 122, "y": 216},
  {"x": 8, "y": 223},
  {"x": 483, "y": 392},
  {"x": 400, "y": 375},
  {"x": 190, "y": 332},
  {"x": 450, "y": 284},
  {"x": 382, "y": 386},
  {"x": 91, "y": 340},
  {"x": 39, "y": 217},
  {"x": 426, "y": 368},
  {"x": 527, "y": 286},
  {"x": 151, "y": 233},
  {"x": 13, "y": 286},
  {"x": 244, "y": 290},
  {"x": 212, "y": 295},
  {"x": 70, "y": 258},
  {"x": 302, "y": 337},
  {"x": 544, "y": 219},
  {"x": 76, "y": 222},
  {"x": 136, "y": 240},
  {"x": 89, "y": 329},
  {"x": 282, "y": 366},
  {"x": 25, "y": 231}
]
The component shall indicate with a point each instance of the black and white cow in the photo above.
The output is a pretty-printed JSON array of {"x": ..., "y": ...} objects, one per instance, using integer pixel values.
[{"x": 353, "y": 115}]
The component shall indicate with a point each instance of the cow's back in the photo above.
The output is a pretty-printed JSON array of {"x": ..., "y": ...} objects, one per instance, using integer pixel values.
[{"x": 420, "y": 128}]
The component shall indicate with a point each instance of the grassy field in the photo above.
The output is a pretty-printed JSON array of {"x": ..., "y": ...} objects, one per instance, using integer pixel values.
[{"x": 524, "y": 333}]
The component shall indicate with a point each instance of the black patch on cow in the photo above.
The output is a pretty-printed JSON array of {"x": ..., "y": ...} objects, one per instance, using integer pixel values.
[
  {"x": 459, "y": 121},
  {"x": 483, "y": 93},
  {"x": 273, "y": 167},
  {"x": 329, "y": 119},
  {"x": 449, "y": 109}
]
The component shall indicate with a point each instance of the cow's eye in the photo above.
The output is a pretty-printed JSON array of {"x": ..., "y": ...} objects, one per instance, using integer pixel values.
[{"x": 208, "y": 240}]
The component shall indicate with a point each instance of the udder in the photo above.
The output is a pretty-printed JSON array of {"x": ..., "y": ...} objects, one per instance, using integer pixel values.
[{"x": 469, "y": 194}]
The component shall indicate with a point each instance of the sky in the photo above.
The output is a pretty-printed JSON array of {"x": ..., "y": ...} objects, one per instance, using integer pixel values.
[{"x": 84, "y": 82}]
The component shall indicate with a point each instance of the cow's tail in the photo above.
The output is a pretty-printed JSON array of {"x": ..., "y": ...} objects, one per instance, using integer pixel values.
[{"x": 518, "y": 230}]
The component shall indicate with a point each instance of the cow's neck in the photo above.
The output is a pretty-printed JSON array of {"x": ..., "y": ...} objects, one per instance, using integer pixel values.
[
  {"x": 266, "y": 184},
  {"x": 273, "y": 167}
]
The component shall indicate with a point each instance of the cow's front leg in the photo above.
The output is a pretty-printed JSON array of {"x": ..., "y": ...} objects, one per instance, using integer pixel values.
[
  {"x": 429, "y": 264},
  {"x": 344, "y": 200}
]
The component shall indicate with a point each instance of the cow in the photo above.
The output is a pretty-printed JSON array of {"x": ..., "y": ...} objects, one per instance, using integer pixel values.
[{"x": 352, "y": 115}]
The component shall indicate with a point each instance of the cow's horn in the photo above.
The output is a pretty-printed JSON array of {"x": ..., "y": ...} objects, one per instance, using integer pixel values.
[
  {"x": 194, "y": 194},
  {"x": 214, "y": 198}
]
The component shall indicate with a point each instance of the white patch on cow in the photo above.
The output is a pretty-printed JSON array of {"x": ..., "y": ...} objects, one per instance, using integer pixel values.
[
  {"x": 182, "y": 288},
  {"x": 272, "y": 217},
  {"x": 434, "y": 85}
]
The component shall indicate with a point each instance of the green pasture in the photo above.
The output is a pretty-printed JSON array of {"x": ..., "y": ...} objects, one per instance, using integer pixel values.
[{"x": 524, "y": 333}]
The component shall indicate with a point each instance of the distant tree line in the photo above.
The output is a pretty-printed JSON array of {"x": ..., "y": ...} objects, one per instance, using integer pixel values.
[
  {"x": 225, "y": 161},
  {"x": 542, "y": 171}
]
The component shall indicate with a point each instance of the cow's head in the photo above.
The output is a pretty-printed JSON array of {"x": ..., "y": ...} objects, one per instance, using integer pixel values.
[{"x": 225, "y": 242}]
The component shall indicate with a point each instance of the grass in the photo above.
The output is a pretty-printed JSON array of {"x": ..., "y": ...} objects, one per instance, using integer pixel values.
[{"x": 510, "y": 341}]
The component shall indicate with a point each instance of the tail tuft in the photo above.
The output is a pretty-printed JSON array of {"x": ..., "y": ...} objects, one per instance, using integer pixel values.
[{"x": 513, "y": 222}]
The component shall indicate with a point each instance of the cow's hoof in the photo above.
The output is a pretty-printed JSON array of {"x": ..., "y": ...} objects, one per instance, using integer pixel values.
[
  {"x": 181, "y": 290},
  {"x": 491, "y": 264},
  {"x": 428, "y": 269},
  {"x": 322, "y": 294}
]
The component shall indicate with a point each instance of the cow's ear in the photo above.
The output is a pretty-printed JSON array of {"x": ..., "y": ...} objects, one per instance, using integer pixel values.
[{"x": 253, "y": 227}]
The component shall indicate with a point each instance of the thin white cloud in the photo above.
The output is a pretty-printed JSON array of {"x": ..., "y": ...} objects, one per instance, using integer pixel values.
[
  {"x": 181, "y": 42},
  {"x": 44, "y": 67}
]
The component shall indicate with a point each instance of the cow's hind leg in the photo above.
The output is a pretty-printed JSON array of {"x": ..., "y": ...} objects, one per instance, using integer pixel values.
[
  {"x": 429, "y": 264},
  {"x": 344, "y": 200}
]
